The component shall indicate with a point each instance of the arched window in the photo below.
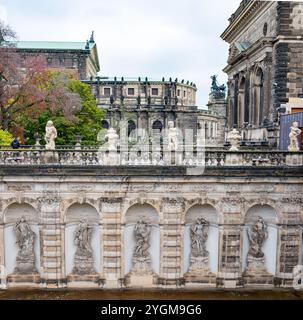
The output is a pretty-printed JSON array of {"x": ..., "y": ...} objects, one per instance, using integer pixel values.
[
  {"x": 157, "y": 125},
  {"x": 241, "y": 101},
  {"x": 105, "y": 124},
  {"x": 259, "y": 97},
  {"x": 131, "y": 127}
]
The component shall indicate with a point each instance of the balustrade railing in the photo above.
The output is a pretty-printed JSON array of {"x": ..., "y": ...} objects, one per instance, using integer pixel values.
[{"x": 94, "y": 157}]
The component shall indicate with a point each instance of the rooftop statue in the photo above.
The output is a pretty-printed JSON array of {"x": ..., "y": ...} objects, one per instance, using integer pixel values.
[
  {"x": 172, "y": 136},
  {"x": 215, "y": 87}
]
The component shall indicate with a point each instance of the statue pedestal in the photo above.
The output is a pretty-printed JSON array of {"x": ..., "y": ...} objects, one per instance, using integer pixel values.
[
  {"x": 24, "y": 279},
  {"x": 85, "y": 280},
  {"x": 199, "y": 273},
  {"x": 141, "y": 274},
  {"x": 256, "y": 272},
  {"x": 83, "y": 265}
]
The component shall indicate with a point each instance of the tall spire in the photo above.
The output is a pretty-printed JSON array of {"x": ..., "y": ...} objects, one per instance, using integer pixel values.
[{"x": 92, "y": 37}]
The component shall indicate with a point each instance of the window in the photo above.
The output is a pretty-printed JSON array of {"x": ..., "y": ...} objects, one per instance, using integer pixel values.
[
  {"x": 106, "y": 92},
  {"x": 178, "y": 92},
  {"x": 155, "y": 91},
  {"x": 131, "y": 91},
  {"x": 184, "y": 93}
]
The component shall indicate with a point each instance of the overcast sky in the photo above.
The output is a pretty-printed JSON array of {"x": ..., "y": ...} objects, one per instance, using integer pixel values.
[{"x": 154, "y": 38}]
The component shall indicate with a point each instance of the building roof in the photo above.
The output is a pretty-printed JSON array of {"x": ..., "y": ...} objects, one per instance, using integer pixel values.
[{"x": 54, "y": 45}]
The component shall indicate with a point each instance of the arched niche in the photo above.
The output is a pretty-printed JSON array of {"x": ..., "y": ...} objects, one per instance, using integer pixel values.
[
  {"x": 269, "y": 215},
  {"x": 210, "y": 214},
  {"x": 13, "y": 213},
  {"x": 74, "y": 215},
  {"x": 149, "y": 214}
]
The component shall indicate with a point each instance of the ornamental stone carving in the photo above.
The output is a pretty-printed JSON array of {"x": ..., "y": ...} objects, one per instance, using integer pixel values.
[
  {"x": 83, "y": 260},
  {"x": 141, "y": 256},
  {"x": 25, "y": 239},
  {"x": 234, "y": 138},
  {"x": 172, "y": 136},
  {"x": 257, "y": 234}
]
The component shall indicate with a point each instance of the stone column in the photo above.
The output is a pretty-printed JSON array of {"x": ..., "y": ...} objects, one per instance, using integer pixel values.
[
  {"x": 230, "y": 245},
  {"x": 289, "y": 248},
  {"x": 171, "y": 242},
  {"x": 111, "y": 241},
  {"x": 51, "y": 242}
]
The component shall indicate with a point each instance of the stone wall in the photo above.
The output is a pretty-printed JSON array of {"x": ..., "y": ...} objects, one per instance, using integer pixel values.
[{"x": 230, "y": 199}]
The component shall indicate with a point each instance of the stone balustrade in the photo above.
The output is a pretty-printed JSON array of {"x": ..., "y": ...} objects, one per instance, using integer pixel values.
[{"x": 94, "y": 157}]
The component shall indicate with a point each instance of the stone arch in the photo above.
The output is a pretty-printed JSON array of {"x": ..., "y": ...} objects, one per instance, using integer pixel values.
[
  {"x": 139, "y": 201},
  {"x": 148, "y": 213},
  {"x": 261, "y": 202},
  {"x": 157, "y": 125},
  {"x": 270, "y": 216},
  {"x": 74, "y": 215},
  {"x": 210, "y": 214},
  {"x": 12, "y": 214},
  {"x": 131, "y": 126},
  {"x": 65, "y": 205}
]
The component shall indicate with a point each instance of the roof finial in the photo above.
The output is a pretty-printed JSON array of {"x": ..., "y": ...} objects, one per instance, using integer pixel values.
[
  {"x": 87, "y": 45},
  {"x": 92, "y": 37}
]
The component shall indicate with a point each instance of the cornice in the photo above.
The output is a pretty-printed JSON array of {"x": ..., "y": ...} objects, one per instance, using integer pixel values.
[{"x": 248, "y": 13}]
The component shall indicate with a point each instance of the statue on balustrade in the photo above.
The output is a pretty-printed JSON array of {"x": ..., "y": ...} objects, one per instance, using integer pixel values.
[
  {"x": 112, "y": 139},
  {"x": 257, "y": 235},
  {"x": 198, "y": 236},
  {"x": 293, "y": 136},
  {"x": 172, "y": 136},
  {"x": 83, "y": 260},
  {"x": 25, "y": 261},
  {"x": 50, "y": 136}
]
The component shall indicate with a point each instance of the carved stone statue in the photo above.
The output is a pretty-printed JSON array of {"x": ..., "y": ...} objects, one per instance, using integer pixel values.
[
  {"x": 50, "y": 136},
  {"x": 25, "y": 261},
  {"x": 199, "y": 256},
  {"x": 257, "y": 235},
  {"x": 142, "y": 233},
  {"x": 234, "y": 138},
  {"x": 141, "y": 256},
  {"x": 214, "y": 85},
  {"x": 112, "y": 139},
  {"x": 198, "y": 237},
  {"x": 172, "y": 136},
  {"x": 83, "y": 260},
  {"x": 293, "y": 135}
]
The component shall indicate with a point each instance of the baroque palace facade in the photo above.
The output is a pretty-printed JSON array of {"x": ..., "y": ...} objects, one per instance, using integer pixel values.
[
  {"x": 226, "y": 217},
  {"x": 264, "y": 68}
]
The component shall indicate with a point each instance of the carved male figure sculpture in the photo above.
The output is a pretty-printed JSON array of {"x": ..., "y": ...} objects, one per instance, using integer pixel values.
[
  {"x": 26, "y": 241},
  {"x": 293, "y": 136},
  {"x": 198, "y": 236},
  {"x": 142, "y": 234},
  {"x": 172, "y": 136},
  {"x": 83, "y": 261},
  {"x": 257, "y": 235},
  {"x": 50, "y": 136}
]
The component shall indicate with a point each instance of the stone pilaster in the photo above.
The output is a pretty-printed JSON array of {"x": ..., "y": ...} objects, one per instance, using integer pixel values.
[
  {"x": 289, "y": 248},
  {"x": 111, "y": 241},
  {"x": 171, "y": 242},
  {"x": 230, "y": 245},
  {"x": 51, "y": 242}
]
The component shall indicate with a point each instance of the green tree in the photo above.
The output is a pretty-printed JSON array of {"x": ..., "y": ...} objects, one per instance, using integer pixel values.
[
  {"x": 86, "y": 122},
  {"x": 5, "y": 138}
]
